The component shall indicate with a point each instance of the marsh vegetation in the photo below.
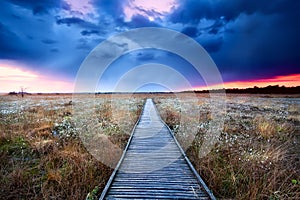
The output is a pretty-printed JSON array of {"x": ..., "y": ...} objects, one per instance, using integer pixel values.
[
  {"x": 257, "y": 155},
  {"x": 43, "y": 157},
  {"x": 41, "y": 153}
]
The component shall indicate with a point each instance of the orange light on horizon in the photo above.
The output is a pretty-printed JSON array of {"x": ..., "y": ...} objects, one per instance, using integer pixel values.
[
  {"x": 13, "y": 77},
  {"x": 287, "y": 81}
]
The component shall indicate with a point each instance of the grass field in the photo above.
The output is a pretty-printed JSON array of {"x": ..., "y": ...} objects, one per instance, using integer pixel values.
[
  {"x": 258, "y": 153},
  {"x": 42, "y": 155}
]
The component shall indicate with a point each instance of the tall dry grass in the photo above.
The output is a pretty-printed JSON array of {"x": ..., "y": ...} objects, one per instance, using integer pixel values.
[
  {"x": 257, "y": 156},
  {"x": 35, "y": 163}
]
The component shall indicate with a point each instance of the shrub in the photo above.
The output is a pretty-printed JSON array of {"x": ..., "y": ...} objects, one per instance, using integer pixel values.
[{"x": 65, "y": 129}]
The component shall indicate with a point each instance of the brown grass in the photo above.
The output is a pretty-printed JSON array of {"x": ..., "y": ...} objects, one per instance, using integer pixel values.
[
  {"x": 257, "y": 156},
  {"x": 258, "y": 153},
  {"x": 265, "y": 128},
  {"x": 35, "y": 164}
]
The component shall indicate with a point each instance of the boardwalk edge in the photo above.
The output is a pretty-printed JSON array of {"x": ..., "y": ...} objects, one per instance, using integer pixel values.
[
  {"x": 200, "y": 180},
  {"x": 107, "y": 186}
]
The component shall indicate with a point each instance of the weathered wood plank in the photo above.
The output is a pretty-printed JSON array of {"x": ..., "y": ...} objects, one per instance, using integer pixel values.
[
  {"x": 130, "y": 196},
  {"x": 154, "y": 166}
]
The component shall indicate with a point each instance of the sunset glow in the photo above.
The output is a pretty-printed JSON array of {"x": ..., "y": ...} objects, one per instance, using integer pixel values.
[
  {"x": 12, "y": 78},
  {"x": 15, "y": 74},
  {"x": 287, "y": 81}
]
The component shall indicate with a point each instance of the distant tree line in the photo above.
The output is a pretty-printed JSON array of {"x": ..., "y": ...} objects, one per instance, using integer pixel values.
[
  {"x": 22, "y": 92},
  {"x": 19, "y": 93},
  {"x": 275, "y": 89}
]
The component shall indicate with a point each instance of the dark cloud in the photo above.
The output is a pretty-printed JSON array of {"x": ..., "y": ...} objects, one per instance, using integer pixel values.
[
  {"x": 89, "y": 32},
  {"x": 70, "y": 20},
  {"x": 260, "y": 45},
  {"x": 247, "y": 39},
  {"x": 76, "y": 21},
  {"x": 40, "y": 6},
  {"x": 114, "y": 9},
  {"x": 194, "y": 10},
  {"x": 216, "y": 27},
  {"x": 190, "y": 31},
  {"x": 39, "y": 10},
  {"x": 151, "y": 13},
  {"x": 7, "y": 47},
  {"x": 144, "y": 56},
  {"x": 109, "y": 7},
  {"x": 212, "y": 45},
  {"x": 49, "y": 41},
  {"x": 54, "y": 50},
  {"x": 23, "y": 36},
  {"x": 139, "y": 21}
]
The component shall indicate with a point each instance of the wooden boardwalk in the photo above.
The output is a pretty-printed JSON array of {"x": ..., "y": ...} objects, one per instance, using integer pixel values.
[{"x": 154, "y": 166}]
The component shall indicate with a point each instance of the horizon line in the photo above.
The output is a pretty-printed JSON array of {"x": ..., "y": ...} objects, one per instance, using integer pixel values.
[{"x": 156, "y": 92}]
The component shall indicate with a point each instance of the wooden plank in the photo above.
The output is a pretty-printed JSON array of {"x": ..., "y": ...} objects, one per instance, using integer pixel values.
[
  {"x": 130, "y": 196},
  {"x": 153, "y": 165}
]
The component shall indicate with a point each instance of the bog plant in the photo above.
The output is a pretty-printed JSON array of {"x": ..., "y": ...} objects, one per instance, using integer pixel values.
[
  {"x": 93, "y": 194},
  {"x": 258, "y": 150},
  {"x": 41, "y": 156},
  {"x": 66, "y": 129}
]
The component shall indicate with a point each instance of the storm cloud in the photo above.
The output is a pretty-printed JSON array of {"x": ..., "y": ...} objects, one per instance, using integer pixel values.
[{"x": 247, "y": 39}]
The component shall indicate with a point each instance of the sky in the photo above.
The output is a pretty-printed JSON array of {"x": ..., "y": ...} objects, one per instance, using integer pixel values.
[{"x": 43, "y": 43}]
